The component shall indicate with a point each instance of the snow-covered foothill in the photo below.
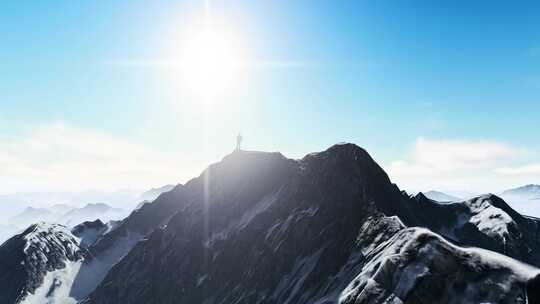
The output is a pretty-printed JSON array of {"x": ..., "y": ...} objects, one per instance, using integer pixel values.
[{"x": 417, "y": 265}]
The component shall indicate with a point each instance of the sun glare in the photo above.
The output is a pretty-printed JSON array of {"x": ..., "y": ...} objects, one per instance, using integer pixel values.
[{"x": 209, "y": 62}]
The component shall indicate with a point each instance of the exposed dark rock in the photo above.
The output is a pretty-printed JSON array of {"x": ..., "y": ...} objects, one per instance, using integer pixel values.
[{"x": 260, "y": 228}]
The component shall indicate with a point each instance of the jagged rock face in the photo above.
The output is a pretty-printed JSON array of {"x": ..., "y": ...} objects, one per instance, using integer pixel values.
[
  {"x": 26, "y": 258},
  {"x": 109, "y": 243},
  {"x": 418, "y": 266},
  {"x": 142, "y": 220},
  {"x": 265, "y": 229},
  {"x": 261, "y": 228},
  {"x": 90, "y": 231}
]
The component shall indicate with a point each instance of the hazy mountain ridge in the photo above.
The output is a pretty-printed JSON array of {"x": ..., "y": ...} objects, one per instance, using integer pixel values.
[
  {"x": 153, "y": 193},
  {"x": 525, "y": 199},
  {"x": 530, "y": 190},
  {"x": 70, "y": 215},
  {"x": 32, "y": 215},
  {"x": 64, "y": 215},
  {"x": 10, "y": 204},
  {"x": 57, "y": 203},
  {"x": 440, "y": 196}
]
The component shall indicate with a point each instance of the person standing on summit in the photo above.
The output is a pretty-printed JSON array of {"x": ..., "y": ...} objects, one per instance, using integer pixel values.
[{"x": 238, "y": 141}]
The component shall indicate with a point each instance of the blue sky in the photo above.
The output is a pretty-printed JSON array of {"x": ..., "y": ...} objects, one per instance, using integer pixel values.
[{"x": 396, "y": 77}]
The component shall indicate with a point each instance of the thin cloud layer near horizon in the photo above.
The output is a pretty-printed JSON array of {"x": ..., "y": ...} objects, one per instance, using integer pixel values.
[{"x": 112, "y": 95}]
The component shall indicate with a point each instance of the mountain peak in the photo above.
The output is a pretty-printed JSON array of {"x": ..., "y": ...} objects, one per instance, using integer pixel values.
[
  {"x": 241, "y": 164},
  {"x": 498, "y": 202},
  {"x": 251, "y": 155},
  {"x": 342, "y": 149},
  {"x": 348, "y": 158},
  {"x": 346, "y": 146},
  {"x": 420, "y": 196}
]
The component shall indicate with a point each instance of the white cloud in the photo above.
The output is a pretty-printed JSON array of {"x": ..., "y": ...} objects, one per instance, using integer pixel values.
[
  {"x": 58, "y": 157},
  {"x": 451, "y": 155},
  {"x": 520, "y": 170},
  {"x": 444, "y": 164}
]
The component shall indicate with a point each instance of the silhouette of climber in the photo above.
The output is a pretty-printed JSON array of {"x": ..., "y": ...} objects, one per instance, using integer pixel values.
[{"x": 238, "y": 141}]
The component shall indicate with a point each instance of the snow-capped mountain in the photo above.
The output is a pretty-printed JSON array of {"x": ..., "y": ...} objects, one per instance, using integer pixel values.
[
  {"x": 530, "y": 191},
  {"x": 525, "y": 199},
  {"x": 38, "y": 265},
  {"x": 485, "y": 221},
  {"x": 440, "y": 196},
  {"x": 27, "y": 217},
  {"x": 416, "y": 265},
  {"x": 47, "y": 263},
  {"x": 329, "y": 228}
]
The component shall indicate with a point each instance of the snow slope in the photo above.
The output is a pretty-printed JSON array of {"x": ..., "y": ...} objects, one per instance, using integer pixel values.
[
  {"x": 419, "y": 266},
  {"x": 38, "y": 264}
]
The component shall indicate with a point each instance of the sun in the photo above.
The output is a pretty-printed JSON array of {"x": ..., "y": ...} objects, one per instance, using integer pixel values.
[{"x": 210, "y": 60}]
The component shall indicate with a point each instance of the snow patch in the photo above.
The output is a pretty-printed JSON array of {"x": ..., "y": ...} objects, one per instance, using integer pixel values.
[
  {"x": 44, "y": 235},
  {"x": 398, "y": 264},
  {"x": 489, "y": 219},
  {"x": 56, "y": 286}
]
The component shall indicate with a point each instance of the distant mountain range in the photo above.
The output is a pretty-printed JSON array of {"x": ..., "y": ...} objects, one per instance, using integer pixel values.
[
  {"x": 524, "y": 199},
  {"x": 258, "y": 227},
  {"x": 527, "y": 192},
  {"x": 150, "y": 195},
  {"x": 60, "y": 214},
  {"x": 153, "y": 193},
  {"x": 67, "y": 214},
  {"x": 441, "y": 196},
  {"x": 32, "y": 215},
  {"x": 12, "y": 204}
]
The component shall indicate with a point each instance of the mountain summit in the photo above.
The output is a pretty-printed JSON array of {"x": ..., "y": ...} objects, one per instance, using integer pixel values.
[{"x": 258, "y": 227}]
